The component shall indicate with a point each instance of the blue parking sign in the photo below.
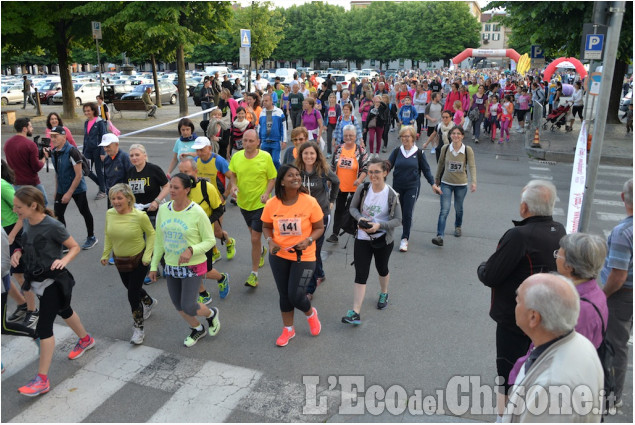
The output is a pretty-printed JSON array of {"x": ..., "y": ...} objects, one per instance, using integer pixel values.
[{"x": 594, "y": 42}]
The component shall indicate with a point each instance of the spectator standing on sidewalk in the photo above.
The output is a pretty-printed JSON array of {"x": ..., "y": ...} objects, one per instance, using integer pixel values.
[
  {"x": 22, "y": 156},
  {"x": 26, "y": 90},
  {"x": 617, "y": 276}
]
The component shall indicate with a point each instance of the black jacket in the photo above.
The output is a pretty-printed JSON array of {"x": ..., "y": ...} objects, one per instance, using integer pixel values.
[
  {"x": 383, "y": 116},
  {"x": 523, "y": 250}
]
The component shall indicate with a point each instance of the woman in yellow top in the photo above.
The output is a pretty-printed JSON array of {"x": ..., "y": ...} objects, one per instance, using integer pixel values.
[
  {"x": 184, "y": 235},
  {"x": 291, "y": 221},
  {"x": 130, "y": 236}
]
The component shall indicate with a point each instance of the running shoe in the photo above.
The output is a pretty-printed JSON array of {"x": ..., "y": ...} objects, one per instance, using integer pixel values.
[
  {"x": 252, "y": 280},
  {"x": 231, "y": 248},
  {"x": 213, "y": 322},
  {"x": 137, "y": 336},
  {"x": 285, "y": 336},
  {"x": 215, "y": 256},
  {"x": 194, "y": 336},
  {"x": 382, "y": 302},
  {"x": 31, "y": 319},
  {"x": 314, "y": 323},
  {"x": 100, "y": 195},
  {"x": 403, "y": 246},
  {"x": 90, "y": 242},
  {"x": 457, "y": 232},
  {"x": 36, "y": 387},
  {"x": 438, "y": 241},
  {"x": 147, "y": 309},
  {"x": 111, "y": 261},
  {"x": 333, "y": 238},
  {"x": 19, "y": 314},
  {"x": 81, "y": 347},
  {"x": 433, "y": 151},
  {"x": 384, "y": 149},
  {"x": 223, "y": 286},
  {"x": 320, "y": 280},
  {"x": 147, "y": 280},
  {"x": 205, "y": 299},
  {"x": 262, "y": 257},
  {"x": 352, "y": 318}
]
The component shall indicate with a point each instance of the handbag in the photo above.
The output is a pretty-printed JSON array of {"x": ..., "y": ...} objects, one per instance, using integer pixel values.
[
  {"x": 128, "y": 264},
  {"x": 474, "y": 114}
]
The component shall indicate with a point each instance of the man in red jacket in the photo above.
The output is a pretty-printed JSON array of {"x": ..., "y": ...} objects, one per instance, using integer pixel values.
[{"x": 22, "y": 156}]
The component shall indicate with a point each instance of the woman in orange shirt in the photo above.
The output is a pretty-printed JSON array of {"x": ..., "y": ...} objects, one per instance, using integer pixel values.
[{"x": 291, "y": 221}]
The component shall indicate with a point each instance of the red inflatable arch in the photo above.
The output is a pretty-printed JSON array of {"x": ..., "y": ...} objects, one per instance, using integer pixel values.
[
  {"x": 487, "y": 53},
  {"x": 553, "y": 65}
]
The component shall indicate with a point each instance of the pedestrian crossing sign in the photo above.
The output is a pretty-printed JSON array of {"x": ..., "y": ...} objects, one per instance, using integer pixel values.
[{"x": 245, "y": 38}]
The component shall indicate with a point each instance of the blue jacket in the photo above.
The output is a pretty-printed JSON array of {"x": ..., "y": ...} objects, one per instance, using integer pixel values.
[
  {"x": 276, "y": 132},
  {"x": 409, "y": 118},
  {"x": 64, "y": 171},
  {"x": 93, "y": 139},
  {"x": 116, "y": 170}
]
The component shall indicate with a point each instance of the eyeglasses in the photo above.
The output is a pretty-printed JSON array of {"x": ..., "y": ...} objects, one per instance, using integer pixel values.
[
  {"x": 555, "y": 254},
  {"x": 298, "y": 139},
  {"x": 375, "y": 171}
]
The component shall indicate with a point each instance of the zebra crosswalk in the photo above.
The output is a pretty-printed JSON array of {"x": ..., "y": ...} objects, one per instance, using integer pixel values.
[{"x": 608, "y": 208}]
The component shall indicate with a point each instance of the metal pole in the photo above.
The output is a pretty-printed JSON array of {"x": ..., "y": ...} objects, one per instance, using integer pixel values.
[
  {"x": 101, "y": 81},
  {"x": 610, "y": 54}
]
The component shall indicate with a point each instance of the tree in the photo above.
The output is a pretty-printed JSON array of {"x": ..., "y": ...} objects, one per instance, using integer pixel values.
[
  {"x": 557, "y": 28},
  {"x": 266, "y": 26},
  {"x": 55, "y": 26}
]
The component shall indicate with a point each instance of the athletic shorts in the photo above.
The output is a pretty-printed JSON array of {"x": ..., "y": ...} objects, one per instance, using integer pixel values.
[{"x": 252, "y": 218}]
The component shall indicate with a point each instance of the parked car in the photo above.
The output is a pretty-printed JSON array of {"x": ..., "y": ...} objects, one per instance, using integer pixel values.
[
  {"x": 12, "y": 94},
  {"x": 344, "y": 79},
  {"x": 84, "y": 92},
  {"x": 116, "y": 91},
  {"x": 286, "y": 72},
  {"x": 47, "y": 90},
  {"x": 168, "y": 92}
]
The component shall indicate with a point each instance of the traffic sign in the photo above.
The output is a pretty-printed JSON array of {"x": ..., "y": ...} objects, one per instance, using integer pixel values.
[
  {"x": 596, "y": 79},
  {"x": 96, "y": 26},
  {"x": 593, "y": 46},
  {"x": 244, "y": 56},
  {"x": 537, "y": 52},
  {"x": 245, "y": 38}
]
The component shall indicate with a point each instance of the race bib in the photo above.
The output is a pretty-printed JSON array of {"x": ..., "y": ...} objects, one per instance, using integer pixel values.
[
  {"x": 290, "y": 226},
  {"x": 455, "y": 166},
  {"x": 479, "y": 101},
  {"x": 137, "y": 186},
  {"x": 346, "y": 163},
  {"x": 294, "y": 101},
  {"x": 406, "y": 114},
  {"x": 332, "y": 114}
]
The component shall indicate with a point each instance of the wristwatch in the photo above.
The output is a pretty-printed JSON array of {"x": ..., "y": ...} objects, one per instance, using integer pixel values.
[
  {"x": 269, "y": 239},
  {"x": 310, "y": 240}
]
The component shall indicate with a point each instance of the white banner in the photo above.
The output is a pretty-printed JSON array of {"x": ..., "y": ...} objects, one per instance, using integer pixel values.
[{"x": 578, "y": 182}]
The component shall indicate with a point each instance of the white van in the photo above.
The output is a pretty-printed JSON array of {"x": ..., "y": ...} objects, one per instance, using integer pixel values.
[
  {"x": 211, "y": 70},
  {"x": 287, "y": 73}
]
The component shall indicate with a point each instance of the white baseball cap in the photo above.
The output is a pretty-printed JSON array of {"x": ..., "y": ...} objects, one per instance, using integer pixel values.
[
  {"x": 201, "y": 142},
  {"x": 108, "y": 138}
]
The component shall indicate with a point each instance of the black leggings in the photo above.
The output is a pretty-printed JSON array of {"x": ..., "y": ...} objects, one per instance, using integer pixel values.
[
  {"x": 82, "y": 205},
  {"x": 13, "y": 328},
  {"x": 420, "y": 120},
  {"x": 133, "y": 281},
  {"x": 510, "y": 346},
  {"x": 292, "y": 279},
  {"x": 363, "y": 254},
  {"x": 52, "y": 303},
  {"x": 340, "y": 211}
]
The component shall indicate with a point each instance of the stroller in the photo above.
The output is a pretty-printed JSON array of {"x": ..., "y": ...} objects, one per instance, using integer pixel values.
[{"x": 557, "y": 118}]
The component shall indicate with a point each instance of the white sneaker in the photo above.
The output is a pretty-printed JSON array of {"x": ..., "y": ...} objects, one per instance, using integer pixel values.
[
  {"x": 137, "y": 336},
  {"x": 147, "y": 309},
  {"x": 403, "y": 246}
]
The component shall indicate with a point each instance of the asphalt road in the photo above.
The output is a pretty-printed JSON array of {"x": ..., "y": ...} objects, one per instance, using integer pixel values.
[{"x": 436, "y": 325}]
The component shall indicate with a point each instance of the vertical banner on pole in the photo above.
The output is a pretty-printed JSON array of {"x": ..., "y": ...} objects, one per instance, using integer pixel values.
[{"x": 578, "y": 182}]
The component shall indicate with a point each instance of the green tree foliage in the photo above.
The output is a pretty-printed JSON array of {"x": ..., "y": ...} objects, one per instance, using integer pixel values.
[
  {"x": 53, "y": 26},
  {"x": 266, "y": 26},
  {"x": 557, "y": 27}
]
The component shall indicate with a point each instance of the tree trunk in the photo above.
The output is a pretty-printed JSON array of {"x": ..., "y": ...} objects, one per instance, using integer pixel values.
[
  {"x": 155, "y": 78},
  {"x": 180, "y": 70},
  {"x": 616, "y": 92},
  {"x": 68, "y": 93}
]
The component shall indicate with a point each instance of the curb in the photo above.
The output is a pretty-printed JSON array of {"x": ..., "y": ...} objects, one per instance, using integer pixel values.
[{"x": 567, "y": 157}]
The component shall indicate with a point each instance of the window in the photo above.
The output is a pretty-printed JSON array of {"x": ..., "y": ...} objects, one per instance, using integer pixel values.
[
  {"x": 496, "y": 36},
  {"x": 487, "y": 27},
  {"x": 496, "y": 28},
  {"x": 485, "y": 36}
]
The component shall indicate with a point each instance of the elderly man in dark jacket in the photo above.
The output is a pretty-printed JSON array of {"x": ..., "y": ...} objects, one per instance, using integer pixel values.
[{"x": 524, "y": 250}]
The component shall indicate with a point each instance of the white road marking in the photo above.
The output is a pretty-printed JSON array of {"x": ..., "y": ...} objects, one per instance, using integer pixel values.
[
  {"x": 539, "y": 168},
  {"x": 541, "y": 177},
  {"x": 608, "y": 202},
  {"x": 559, "y": 212},
  {"x": 604, "y": 216}
]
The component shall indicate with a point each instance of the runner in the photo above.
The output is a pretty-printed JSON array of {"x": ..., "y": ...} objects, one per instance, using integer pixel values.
[
  {"x": 183, "y": 145},
  {"x": 291, "y": 221},
  {"x": 252, "y": 181},
  {"x": 130, "y": 235},
  {"x": 184, "y": 235},
  {"x": 376, "y": 208},
  {"x": 43, "y": 239}
]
